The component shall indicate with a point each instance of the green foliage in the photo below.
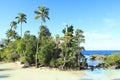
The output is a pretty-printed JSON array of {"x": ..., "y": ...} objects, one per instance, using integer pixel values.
[
  {"x": 53, "y": 62},
  {"x": 112, "y": 60},
  {"x": 43, "y": 13},
  {"x": 70, "y": 46},
  {"x": 56, "y": 62},
  {"x": 30, "y": 46},
  {"x": 46, "y": 53},
  {"x": 13, "y": 24},
  {"x": 23, "y": 59},
  {"x": 20, "y": 19}
]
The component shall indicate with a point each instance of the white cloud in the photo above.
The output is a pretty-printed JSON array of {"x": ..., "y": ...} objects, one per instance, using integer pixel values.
[
  {"x": 109, "y": 22},
  {"x": 96, "y": 35},
  {"x": 101, "y": 41},
  {"x": 103, "y": 45}
]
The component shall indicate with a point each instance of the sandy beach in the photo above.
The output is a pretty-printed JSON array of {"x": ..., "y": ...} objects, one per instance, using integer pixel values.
[{"x": 11, "y": 71}]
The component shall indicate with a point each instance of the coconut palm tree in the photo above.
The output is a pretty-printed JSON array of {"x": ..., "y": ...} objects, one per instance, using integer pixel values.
[
  {"x": 13, "y": 24},
  {"x": 43, "y": 13},
  {"x": 21, "y": 18},
  {"x": 11, "y": 34}
]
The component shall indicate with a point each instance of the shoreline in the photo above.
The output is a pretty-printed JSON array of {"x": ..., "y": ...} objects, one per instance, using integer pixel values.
[{"x": 10, "y": 71}]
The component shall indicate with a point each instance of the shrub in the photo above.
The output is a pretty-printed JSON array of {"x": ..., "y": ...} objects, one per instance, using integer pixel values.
[
  {"x": 112, "y": 60},
  {"x": 22, "y": 59}
]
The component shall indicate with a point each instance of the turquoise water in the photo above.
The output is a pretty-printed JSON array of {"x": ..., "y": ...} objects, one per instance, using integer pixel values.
[
  {"x": 94, "y": 62},
  {"x": 102, "y": 74}
]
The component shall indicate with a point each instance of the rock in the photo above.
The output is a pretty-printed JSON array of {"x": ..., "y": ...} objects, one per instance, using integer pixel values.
[
  {"x": 26, "y": 64},
  {"x": 22, "y": 65}
]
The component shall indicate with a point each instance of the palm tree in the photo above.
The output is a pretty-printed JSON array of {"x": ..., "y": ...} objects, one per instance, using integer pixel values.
[
  {"x": 43, "y": 13},
  {"x": 13, "y": 24},
  {"x": 11, "y": 34},
  {"x": 21, "y": 18}
]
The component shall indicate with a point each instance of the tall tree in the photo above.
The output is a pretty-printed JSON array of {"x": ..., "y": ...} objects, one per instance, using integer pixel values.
[
  {"x": 13, "y": 24},
  {"x": 70, "y": 46},
  {"x": 43, "y": 13},
  {"x": 11, "y": 34},
  {"x": 21, "y": 18}
]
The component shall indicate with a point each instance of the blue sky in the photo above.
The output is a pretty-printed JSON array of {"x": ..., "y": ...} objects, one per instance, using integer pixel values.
[{"x": 99, "y": 19}]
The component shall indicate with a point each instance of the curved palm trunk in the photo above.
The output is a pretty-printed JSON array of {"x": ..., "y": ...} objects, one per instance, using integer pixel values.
[
  {"x": 36, "y": 61},
  {"x": 21, "y": 36}
]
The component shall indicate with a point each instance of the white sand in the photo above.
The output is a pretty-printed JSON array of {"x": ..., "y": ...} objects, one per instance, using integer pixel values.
[{"x": 10, "y": 71}]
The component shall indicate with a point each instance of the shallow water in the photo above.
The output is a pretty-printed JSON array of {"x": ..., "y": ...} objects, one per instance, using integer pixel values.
[
  {"x": 92, "y": 62},
  {"x": 102, "y": 74}
]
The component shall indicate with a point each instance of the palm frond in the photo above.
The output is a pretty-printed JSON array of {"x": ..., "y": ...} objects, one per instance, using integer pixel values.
[
  {"x": 37, "y": 12},
  {"x": 25, "y": 21},
  {"x": 37, "y": 17},
  {"x": 16, "y": 17},
  {"x": 47, "y": 17}
]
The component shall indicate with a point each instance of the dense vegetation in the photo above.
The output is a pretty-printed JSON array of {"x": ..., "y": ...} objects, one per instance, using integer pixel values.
[
  {"x": 109, "y": 61},
  {"x": 113, "y": 60},
  {"x": 43, "y": 50}
]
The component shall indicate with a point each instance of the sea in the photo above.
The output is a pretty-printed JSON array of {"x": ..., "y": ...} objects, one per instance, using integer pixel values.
[
  {"x": 103, "y": 52},
  {"x": 87, "y": 53},
  {"x": 100, "y": 74}
]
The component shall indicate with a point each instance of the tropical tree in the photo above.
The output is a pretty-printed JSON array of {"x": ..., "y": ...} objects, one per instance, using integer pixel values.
[
  {"x": 28, "y": 47},
  {"x": 43, "y": 13},
  {"x": 21, "y": 18},
  {"x": 13, "y": 24},
  {"x": 46, "y": 47},
  {"x": 113, "y": 60},
  {"x": 70, "y": 48},
  {"x": 79, "y": 38}
]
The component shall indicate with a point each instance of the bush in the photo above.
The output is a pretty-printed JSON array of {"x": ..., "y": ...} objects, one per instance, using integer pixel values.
[
  {"x": 56, "y": 63},
  {"x": 22, "y": 59},
  {"x": 112, "y": 60},
  {"x": 52, "y": 63}
]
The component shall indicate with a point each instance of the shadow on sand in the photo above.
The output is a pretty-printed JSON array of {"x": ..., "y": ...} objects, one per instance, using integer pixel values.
[
  {"x": 4, "y": 76},
  {"x": 6, "y": 69}
]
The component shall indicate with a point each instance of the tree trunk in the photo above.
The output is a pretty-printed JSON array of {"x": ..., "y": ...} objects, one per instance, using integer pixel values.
[
  {"x": 36, "y": 62},
  {"x": 21, "y": 29},
  {"x": 64, "y": 63}
]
